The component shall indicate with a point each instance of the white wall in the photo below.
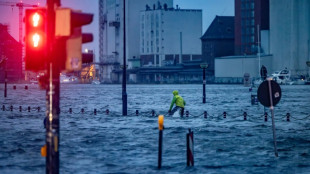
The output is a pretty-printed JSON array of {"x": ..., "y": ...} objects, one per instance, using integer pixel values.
[{"x": 236, "y": 66}]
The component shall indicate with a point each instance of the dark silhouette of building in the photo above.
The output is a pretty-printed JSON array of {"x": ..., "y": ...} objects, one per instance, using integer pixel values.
[
  {"x": 218, "y": 41},
  {"x": 249, "y": 14},
  {"x": 10, "y": 56}
]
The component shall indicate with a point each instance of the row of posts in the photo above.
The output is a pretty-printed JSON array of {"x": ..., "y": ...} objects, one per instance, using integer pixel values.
[{"x": 107, "y": 111}]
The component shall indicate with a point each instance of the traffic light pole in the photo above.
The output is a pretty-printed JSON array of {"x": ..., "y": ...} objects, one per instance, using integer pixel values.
[
  {"x": 52, "y": 94},
  {"x": 124, "y": 93}
]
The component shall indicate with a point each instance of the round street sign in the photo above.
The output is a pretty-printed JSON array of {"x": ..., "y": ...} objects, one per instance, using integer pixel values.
[{"x": 264, "y": 96}]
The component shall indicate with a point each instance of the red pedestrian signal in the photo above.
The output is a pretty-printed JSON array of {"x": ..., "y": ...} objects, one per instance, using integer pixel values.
[{"x": 35, "y": 39}]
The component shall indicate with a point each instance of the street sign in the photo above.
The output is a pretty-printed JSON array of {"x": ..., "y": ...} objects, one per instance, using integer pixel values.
[{"x": 264, "y": 95}]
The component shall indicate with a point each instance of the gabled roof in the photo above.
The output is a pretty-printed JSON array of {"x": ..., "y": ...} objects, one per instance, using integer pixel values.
[{"x": 222, "y": 27}]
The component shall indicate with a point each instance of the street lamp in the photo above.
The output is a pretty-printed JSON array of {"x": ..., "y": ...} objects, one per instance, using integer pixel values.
[{"x": 204, "y": 66}]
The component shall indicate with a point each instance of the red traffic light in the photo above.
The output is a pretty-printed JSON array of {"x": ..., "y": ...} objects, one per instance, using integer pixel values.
[{"x": 35, "y": 39}]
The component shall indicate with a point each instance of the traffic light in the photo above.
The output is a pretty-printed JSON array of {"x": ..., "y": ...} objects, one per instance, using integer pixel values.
[
  {"x": 35, "y": 39},
  {"x": 68, "y": 29}
]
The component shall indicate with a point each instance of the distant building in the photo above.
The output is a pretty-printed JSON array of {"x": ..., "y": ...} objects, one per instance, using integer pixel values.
[
  {"x": 169, "y": 37},
  {"x": 111, "y": 33},
  {"x": 10, "y": 57},
  {"x": 251, "y": 16},
  {"x": 218, "y": 41}
]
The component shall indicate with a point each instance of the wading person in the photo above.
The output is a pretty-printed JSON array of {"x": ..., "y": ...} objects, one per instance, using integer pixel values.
[{"x": 179, "y": 103}]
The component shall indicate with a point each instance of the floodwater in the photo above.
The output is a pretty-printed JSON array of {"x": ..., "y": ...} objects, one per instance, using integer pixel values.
[{"x": 114, "y": 143}]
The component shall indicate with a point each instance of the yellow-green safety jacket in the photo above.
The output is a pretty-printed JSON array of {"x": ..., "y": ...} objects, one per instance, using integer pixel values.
[{"x": 178, "y": 100}]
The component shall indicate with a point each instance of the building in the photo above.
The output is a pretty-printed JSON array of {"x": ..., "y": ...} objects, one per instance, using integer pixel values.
[
  {"x": 251, "y": 16},
  {"x": 111, "y": 33},
  {"x": 290, "y": 35},
  {"x": 169, "y": 37},
  {"x": 218, "y": 41},
  {"x": 10, "y": 56}
]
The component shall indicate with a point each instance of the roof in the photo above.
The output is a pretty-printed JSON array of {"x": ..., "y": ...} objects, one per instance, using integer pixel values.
[{"x": 222, "y": 27}]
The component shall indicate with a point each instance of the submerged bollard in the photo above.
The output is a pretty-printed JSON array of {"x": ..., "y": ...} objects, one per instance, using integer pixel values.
[
  {"x": 39, "y": 109},
  {"x": 11, "y": 108},
  {"x": 14, "y": 87},
  {"x": 288, "y": 116},
  {"x": 205, "y": 114},
  {"x": 153, "y": 113},
  {"x": 190, "y": 148},
  {"x": 266, "y": 116},
  {"x": 28, "y": 108},
  {"x": 244, "y": 115},
  {"x": 137, "y": 112},
  {"x": 70, "y": 110},
  {"x": 224, "y": 114},
  {"x": 95, "y": 111},
  {"x": 186, "y": 113},
  {"x": 26, "y": 87},
  {"x": 160, "y": 141},
  {"x": 20, "y": 108},
  {"x": 107, "y": 111},
  {"x": 82, "y": 111},
  {"x": 3, "y": 108}
]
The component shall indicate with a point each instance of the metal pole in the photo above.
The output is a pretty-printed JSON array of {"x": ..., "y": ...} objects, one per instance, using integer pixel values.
[
  {"x": 204, "y": 86},
  {"x": 124, "y": 93},
  {"x": 273, "y": 124},
  {"x": 52, "y": 94},
  {"x": 5, "y": 83}
]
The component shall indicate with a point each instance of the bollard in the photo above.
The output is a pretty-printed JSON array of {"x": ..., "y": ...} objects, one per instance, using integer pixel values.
[
  {"x": 224, "y": 114},
  {"x": 3, "y": 108},
  {"x": 205, "y": 114},
  {"x": 107, "y": 111},
  {"x": 14, "y": 87},
  {"x": 137, "y": 112},
  {"x": 82, "y": 110},
  {"x": 160, "y": 141},
  {"x": 153, "y": 113},
  {"x": 28, "y": 108},
  {"x": 26, "y": 87},
  {"x": 187, "y": 113},
  {"x": 39, "y": 109},
  {"x": 190, "y": 148},
  {"x": 288, "y": 116},
  {"x": 244, "y": 115},
  {"x": 20, "y": 108},
  {"x": 266, "y": 116},
  {"x": 95, "y": 111},
  {"x": 11, "y": 108},
  {"x": 70, "y": 110}
]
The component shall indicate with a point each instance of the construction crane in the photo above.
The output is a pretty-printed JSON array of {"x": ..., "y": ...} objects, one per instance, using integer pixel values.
[{"x": 20, "y": 6}]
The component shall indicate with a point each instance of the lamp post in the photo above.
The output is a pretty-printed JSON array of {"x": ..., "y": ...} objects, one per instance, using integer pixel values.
[
  {"x": 124, "y": 93},
  {"x": 204, "y": 66}
]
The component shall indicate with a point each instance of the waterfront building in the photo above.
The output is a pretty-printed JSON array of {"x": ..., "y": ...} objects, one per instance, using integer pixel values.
[
  {"x": 251, "y": 17},
  {"x": 169, "y": 42},
  {"x": 10, "y": 57},
  {"x": 218, "y": 41},
  {"x": 290, "y": 35}
]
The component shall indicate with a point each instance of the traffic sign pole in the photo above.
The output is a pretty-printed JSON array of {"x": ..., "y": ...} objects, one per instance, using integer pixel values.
[{"x": 272, "y": 117}]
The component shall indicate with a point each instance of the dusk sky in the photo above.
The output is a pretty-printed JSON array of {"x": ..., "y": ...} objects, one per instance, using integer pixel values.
[{"x": 211, "y": 8}]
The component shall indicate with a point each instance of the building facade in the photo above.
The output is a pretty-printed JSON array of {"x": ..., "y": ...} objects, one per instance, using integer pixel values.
[
  {"x": 251, "y": 16},
  {"x": 290, "y": 35},
  {"x": 111, "y": 35},
  {"x": 10, "y": 57},
  {"x": 218, "y": 41}
]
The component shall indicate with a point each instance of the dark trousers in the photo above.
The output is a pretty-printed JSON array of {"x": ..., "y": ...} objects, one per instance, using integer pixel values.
[{"x": 176, "y": 108}]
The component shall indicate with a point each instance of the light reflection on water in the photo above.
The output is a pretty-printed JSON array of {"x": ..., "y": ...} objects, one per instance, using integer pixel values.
[{"x": 116, "y": 144}]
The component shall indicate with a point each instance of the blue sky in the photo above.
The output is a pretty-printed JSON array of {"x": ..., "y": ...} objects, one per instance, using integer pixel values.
[{"x": 211, "y": 8}]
